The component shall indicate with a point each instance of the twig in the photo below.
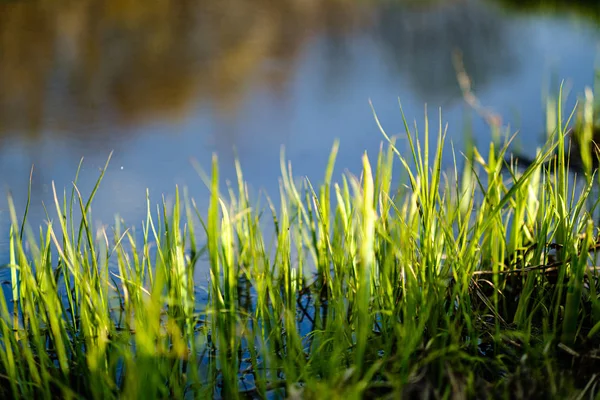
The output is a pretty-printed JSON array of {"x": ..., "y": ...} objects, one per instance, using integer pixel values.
[
  {"x": 542, "y": 267},
  {"x": 493, "y": 119}
]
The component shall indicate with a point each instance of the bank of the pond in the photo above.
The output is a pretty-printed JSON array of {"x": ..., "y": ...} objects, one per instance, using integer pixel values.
[{"x": 462, "y": 284}]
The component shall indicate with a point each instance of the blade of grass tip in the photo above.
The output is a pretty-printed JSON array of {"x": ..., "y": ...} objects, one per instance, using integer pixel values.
[
  {"x": 383, "y": 132},
  {"x": 328, "y": 175},
  {"x": 191, "y": 229},
  {"x": 421, "y": 166},
  {"x": 156, "y": 228},
  {"x": 213, "y": 233},
  {"x": 92, "y": 195},
  {"x": 72, "y": 198},
  {"x": 245, "y": 227},
  {"x": 86, "y": 228},
  {"x": 437, "y": 163},
  {"x": 146, "y": 232},
  {"x": 229, "y": 270},
  {"x": 26, "y": 204},
  {"x": 289, "y": 185},
  {"x": 586, "y": 133},
  {"x": 323, "y": 208},
  {"x": 414, "y": 148},
  {"x": 538, "y": 161},
  {"x": 426, "y": 152},
  {"x": 201, "y": 173}
]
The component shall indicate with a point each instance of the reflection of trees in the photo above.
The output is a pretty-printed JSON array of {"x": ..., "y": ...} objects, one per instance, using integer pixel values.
[
  {"x": 23, "y": 67},
  {"x": 420, "y": 42},
  {"x": 588, "y": 9},
  {"x": 66, "y": 65},
  {"x": 77, "y": 65}
]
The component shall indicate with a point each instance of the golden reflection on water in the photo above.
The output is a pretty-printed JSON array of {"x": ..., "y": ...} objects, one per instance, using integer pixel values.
[
  {"x": 72, "y": 64},
  {"x": 94, "y": 65}
]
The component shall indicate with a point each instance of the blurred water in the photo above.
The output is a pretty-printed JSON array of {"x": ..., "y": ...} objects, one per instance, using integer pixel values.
[{"x": 162, "y": 83}]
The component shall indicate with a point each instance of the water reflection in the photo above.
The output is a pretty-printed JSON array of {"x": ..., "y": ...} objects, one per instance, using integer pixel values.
[
  {"x": 162, "y": 82},
  {"x": 583, "y": 10},
  {"x": 419, "y": 45},
  {"x": 92, "y": 64}
]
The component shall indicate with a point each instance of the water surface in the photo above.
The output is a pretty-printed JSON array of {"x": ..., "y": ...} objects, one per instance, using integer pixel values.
[{"x": 163, "y": 83}]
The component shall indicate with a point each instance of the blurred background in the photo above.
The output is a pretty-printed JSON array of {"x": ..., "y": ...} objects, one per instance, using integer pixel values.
[{"x": 163, "y": 82}]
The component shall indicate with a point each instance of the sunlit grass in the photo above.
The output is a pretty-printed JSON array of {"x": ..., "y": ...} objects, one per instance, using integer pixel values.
[{"x": 477, "y": 281}]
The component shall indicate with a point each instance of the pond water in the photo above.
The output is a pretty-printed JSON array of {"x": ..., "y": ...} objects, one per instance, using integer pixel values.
[{"x": 162, "y": 83}]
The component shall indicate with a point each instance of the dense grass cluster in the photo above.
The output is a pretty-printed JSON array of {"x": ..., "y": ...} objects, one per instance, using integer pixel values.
[{"x": 472, "y": 284}]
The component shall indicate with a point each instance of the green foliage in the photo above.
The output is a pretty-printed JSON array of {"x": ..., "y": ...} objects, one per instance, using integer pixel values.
[{"x": 470, "y": 284}]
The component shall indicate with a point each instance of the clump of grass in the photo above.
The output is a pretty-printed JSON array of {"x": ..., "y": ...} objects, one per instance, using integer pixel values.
[{"x": 466, "y": 284}]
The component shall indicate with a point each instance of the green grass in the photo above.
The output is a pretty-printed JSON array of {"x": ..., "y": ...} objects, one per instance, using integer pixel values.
[{"x": 459, "y": 284}]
